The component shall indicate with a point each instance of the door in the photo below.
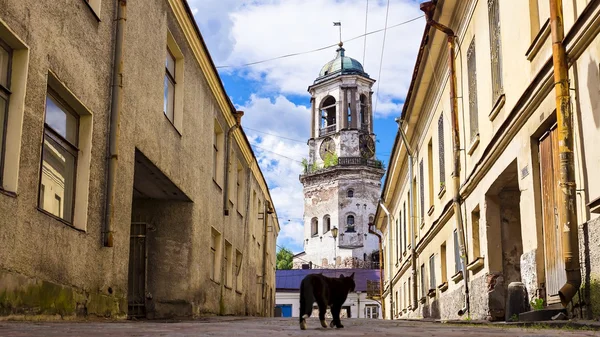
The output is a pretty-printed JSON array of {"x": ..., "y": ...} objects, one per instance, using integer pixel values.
[
  {"x": 136, "y": 292},
  {"x": 549, "y": 168}
]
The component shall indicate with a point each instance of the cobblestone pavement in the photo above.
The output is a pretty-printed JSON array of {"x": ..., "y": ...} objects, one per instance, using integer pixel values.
[{"x": 268, "y": 327}]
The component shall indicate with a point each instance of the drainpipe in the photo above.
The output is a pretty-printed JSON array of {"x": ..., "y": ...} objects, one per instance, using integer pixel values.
[
  {"x": 413, "y": 250},
  {"x": 238, "y": 120},
  {"x": 389, "y": 234},
  {"x": 371, "y": 231},
  {"x": 429, "y": 8},
  {"x": 267, "y": 210},
  {"x": 115, "y": 111},
  {"x": 567, "y": 208}
]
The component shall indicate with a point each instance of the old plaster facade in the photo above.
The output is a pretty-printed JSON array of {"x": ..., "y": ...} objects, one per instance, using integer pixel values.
[
  {"x": 192, "y": 227},
  {"x": 342, "y": 177},
  {"x": 508, "y": 162}
]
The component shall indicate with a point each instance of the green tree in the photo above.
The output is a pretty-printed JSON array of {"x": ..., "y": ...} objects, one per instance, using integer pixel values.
[{"x": 284, "y": 258}]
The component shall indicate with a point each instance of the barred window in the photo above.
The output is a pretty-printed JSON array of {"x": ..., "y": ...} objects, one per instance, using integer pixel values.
[
  {"x": 5, "y": 67},
  {"x": 472, "y": 81},
  {"x": 441, "y": 151},
  {"x": 495, "y": 48}
]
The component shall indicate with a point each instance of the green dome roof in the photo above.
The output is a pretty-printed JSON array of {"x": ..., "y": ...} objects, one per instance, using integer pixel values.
[{"x": 341, "y": 65}]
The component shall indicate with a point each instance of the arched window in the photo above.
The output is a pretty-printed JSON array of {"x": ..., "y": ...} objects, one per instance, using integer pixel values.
[
  {"x": 326, "y": 224},
  {"x": 364, "y": 118},
  {"x": 350, "y": 193},
  {"x": 328, "y": 112},
  {"x": 314, "y": 228},
  {"x": 350, "y": 223}
]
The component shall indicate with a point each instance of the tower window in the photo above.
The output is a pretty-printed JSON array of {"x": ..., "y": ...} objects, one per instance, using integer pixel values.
[
  {"x": 350, "y": 193},
  {"x": 328, "y": 112},
  {"x": 314, "y": 228},
  {"x": 326, "y": 223},
  {"x": 350, "y": 223},
  {"x": 364, "y": 118}
]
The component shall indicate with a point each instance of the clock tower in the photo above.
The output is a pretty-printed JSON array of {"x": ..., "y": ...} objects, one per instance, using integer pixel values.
[{"x": 342, "y": 176}]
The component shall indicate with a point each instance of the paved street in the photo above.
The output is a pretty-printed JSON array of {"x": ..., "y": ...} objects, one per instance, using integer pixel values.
[{"x": 271, "y": 327}]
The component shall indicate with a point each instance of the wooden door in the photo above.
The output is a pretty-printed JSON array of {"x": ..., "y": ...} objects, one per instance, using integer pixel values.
[{"x": 549, "y": 169}]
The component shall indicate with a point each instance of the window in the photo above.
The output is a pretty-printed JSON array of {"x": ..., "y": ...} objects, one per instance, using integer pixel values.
[
  {"x": 5, "y": 67},
  {"x": 457, "y": 262},
  {"x": 228, "y": 265},
  {"x": 472, "y": 82},
  {"x": 396, "y": 302},
  {"x": 350, "y": 223},
  {"x": 59, "y": 158},
  {"x": 240, "y": 187},
  {"x": 218, "y": 144},
  {"x": 397, "y": 230},
  {"x": 215, "y": 251},
  {"x": 169, "y": 102},
  {"x": 173, "y": 84},
  {"x": 364, "y": 118},
  {"x": 314, "y": 227},
  {"x": 475, "y": 232},
  {"x": 443, "y": 260},
  {"x": 441, "y": 152},
  {"x": 422, "y": 190},
  {"x": 404, "y": 220},
  {"x": 430, "y": 171},
  {"x": 432, "y": 284},
  {"x": 350, "y": 193},
  {"x": 238, "y": 271},
  {"x": 326, "y": 223},
  {"x": 328, "y": 112},
  {"x": 496, "y": 48}
]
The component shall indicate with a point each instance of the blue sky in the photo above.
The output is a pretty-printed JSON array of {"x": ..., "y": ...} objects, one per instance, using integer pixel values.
[{"x": 273, "y": 94}]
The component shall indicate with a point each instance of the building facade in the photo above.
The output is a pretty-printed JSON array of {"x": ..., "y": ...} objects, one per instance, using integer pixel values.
[
  {"x": 508, "y": 187},
  {"x": 342, "y": 177},
  {"x": 128, "y": 186}
]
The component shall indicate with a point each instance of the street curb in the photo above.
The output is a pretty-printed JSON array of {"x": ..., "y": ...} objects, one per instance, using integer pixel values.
[{"x": 584, "y": 325}]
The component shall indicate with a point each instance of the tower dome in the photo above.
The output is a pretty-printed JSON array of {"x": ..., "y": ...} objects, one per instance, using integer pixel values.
[{"x": 341, "y": 65}]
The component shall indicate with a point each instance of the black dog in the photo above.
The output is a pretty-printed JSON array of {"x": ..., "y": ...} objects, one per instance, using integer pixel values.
[{"x": 326, "y": 291}]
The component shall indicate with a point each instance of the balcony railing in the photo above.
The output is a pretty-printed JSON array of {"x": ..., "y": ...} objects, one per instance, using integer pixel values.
[
  {"x": 353, "y": 161},
  {"x": 327, "y": 130}
]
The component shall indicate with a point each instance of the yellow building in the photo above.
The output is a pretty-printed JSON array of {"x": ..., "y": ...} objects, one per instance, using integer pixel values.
[
  {"x": 508, "y": 156},
  {"x": 127, "y": 185}
]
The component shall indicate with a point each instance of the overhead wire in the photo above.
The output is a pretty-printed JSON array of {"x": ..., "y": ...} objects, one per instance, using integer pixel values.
[
  {"x": 274, "y": 135},
  {"x": 365, "y": 43},
  {"x": 275, "y": 153},
  {"x": 322, "y": 48}
]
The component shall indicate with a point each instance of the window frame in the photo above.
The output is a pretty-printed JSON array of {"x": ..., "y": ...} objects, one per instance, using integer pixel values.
[
  {"x": 5, "y": 94},
  {"x": 72, "y": 149},
  {"x": 350, "y": 228},
  {"x": 171, "y": 78}
]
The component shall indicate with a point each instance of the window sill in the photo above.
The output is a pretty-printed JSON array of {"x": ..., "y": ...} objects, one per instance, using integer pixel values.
[
  {"x": 215, "y": 282},
  {"x": 68, "y": 224},
  {"x": 92, "y": 10},
  {"x": 431, "y": 209},
  {"x": 422, "y": 300},
  {"x": 497, "y": 107},
  {"x": 431, "y": 293},
  {"x": 474, "y": 144},
  {"x": 476, "y": 264},
  {"x": 240, "y": 214},
  {"x": 457, "y": 277},
  {"x": 443, "y": 287},
  {"x": 404, "y": 253},
  {"x": 442, "y": 192},
  {"x": 422, "y": 225},
  {"x": 238, "y": 292},
  {"x": 228, "y": 287},
  {"x": 538, "y": 41},
  {"x": 8, "y": 193},
  {"x": 172, "y": 124}
]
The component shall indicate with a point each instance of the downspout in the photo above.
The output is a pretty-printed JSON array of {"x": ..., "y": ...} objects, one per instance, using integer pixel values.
[
  {"x": 115, "y": 111},
  {"x": 428, "y": 8},
  {"x": 238, "y": 119},
  {"x": 267, "y": 210},
  {"x": 567, "y": 208},
  {"x": 389, "y": 234},
  {"x": 380, "y": 269},
  {"x": 413, "y": 249}
]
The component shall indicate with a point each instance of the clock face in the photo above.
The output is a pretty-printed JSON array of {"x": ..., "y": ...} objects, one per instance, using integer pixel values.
[
  {"x": 367, "y": 146},
  {"x": 327, "y": 146}
]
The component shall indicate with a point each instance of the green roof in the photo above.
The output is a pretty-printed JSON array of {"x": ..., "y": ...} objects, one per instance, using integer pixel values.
[{"x": 341, "y": 65}]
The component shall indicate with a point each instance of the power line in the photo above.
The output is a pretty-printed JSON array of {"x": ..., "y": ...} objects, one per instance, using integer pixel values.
[
  {"x": 365, "y": 43},
  {"x": 274, "y": 135},
  {"x": 387, "y": 11},
  {"x": 275, "y": 153},
  {"x": 322, "y": 48}
]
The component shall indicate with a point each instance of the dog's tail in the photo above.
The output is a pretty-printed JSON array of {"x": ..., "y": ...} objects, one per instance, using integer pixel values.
[{"x": 306, "y": 301}]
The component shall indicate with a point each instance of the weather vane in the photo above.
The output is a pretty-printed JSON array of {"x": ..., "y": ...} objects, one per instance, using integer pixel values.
[{"x": 339, "y": 24}]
